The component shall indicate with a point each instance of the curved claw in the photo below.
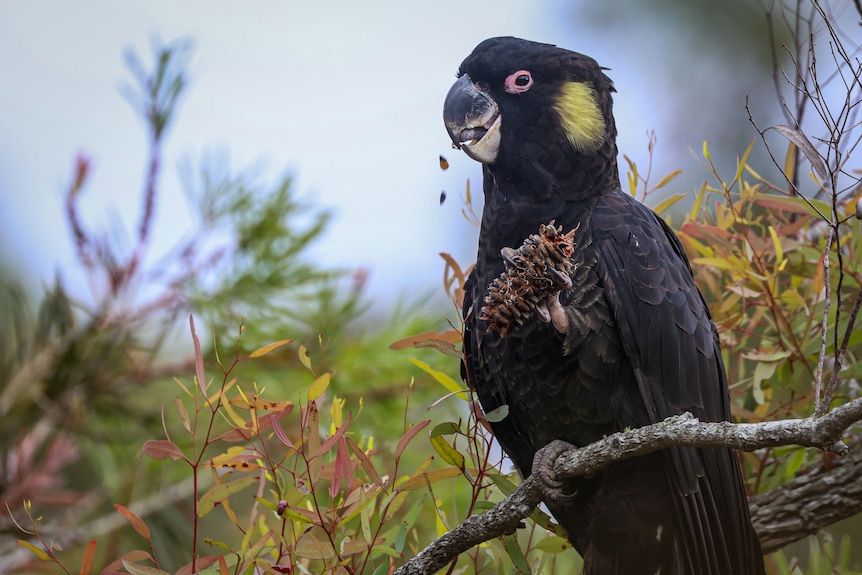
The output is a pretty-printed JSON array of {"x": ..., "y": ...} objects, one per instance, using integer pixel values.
[
  {"x": 543, "y": 469},
  {"x": 509, "y": 256},
  {"x": 542, "y": 311}
]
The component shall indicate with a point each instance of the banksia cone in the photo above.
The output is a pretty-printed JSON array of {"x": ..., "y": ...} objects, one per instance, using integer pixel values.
[{"x": 540, "y": 267}]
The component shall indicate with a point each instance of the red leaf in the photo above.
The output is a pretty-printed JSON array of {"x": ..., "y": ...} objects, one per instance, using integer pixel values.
[
  {"x": 411, "y": 433},
  {"x": 87, "y": 562},
  {"x": 366, "y": 463},
  {"x": 200, "y": 564},
  {"x": 343, "y": 468},
  {"x": 136, "y": 522},
  {"x": 280, "y": 434},
  {"x": 162, "y": 448},
  {"x": 327, "y": 445}
]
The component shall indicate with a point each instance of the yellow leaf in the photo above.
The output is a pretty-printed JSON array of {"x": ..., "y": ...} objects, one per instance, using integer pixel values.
[
  {"x": 790, "y": 161},
  {"x": 698, "y": 200},
  {"x": 442, "y": 528},
  {"x": 791, "y": 297},
  {"x": 449, "y": 454},
  {"x": 742, "y": 163},
  {"x": 666, "y": 180},
  {"x": 234, "y": 416},
  {"x": 319, "y": 386},
  {"x": 312, "y": 441},
  {"x": 261, "y": 351},
  {"x": 336, "y": 413},
  {"x": 250, "y": 401},
  {"x": 236, "y": 457},
  {"x": 441, "y": 377},
  {"x": 776, "y": 241},
  {"x": 37, "y": 551},
  {"x": 304, "y": 358},
  {"x": 553, "y": 544},
  {"x": 719, "y": 263},
  {"x": 666, "y": 203}
]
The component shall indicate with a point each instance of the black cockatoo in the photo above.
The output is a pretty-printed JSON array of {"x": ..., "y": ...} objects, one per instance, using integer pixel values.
[{"x": 625, "y": 341}]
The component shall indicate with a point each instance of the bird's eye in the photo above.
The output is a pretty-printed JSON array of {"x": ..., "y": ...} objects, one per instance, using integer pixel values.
[{"x": 518, "y": 82}]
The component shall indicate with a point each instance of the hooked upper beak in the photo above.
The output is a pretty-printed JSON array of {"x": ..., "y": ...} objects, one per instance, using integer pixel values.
[{"x": 472, "y": 119}]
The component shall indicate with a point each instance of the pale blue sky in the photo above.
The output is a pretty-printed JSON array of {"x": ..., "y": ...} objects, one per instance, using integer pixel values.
[{"x": 347, "y": 96}]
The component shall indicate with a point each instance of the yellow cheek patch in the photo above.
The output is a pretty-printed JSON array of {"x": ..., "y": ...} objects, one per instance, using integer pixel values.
[{"x": 580, "y": 116}]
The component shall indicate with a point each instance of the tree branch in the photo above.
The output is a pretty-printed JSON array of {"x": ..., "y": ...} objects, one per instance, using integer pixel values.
[
  {"x": 818, "y": 497},
  {"x": 824, "y": 432}
]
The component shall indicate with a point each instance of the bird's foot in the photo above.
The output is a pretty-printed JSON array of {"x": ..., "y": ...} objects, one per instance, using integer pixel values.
[
  {"x": 543, "y": 470},
  {"x": 551, "y": 311}
]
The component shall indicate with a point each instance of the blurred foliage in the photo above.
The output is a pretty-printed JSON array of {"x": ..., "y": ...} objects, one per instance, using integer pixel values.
[{"x": 84, "y": 381}]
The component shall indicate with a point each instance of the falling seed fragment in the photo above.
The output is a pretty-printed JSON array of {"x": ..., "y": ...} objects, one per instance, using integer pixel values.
[
  {"x": 442, "y": 197},
  {"x": 444, "y": 163}
]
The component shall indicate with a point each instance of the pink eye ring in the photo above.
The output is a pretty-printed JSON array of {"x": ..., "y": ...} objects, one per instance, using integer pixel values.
[{"x": 518, "y": 82}]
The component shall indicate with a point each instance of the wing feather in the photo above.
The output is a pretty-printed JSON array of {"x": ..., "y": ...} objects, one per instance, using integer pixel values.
[{"x": 668, "y": 335}]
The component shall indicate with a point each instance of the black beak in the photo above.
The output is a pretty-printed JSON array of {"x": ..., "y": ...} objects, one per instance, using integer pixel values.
[{"x": 472, "y": 119}]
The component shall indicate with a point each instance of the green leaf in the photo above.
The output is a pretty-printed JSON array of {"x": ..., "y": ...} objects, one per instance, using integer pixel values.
[
  {"x": 503, "y": 483},
  {"x": 219, "y": 493},
  {"x": 771, "y": 356},
  {"x": 757, "y": 391},
  {"x": 136, "y": 569},
  {"x": 510, "y": 542},
  {"x": 447, "y": 428},
  {"x": 401, "y": 538},
  {"x": 449, "y": 454},
  {"x": 553, "y": 545},
  {"x": 497, "y": 415}
]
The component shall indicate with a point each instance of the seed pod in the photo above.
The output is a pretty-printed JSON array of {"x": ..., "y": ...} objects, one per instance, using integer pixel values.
[{"x": 539, "y": 268}]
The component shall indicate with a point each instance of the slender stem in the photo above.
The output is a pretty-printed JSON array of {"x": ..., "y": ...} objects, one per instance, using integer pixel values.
[{"x": 819, "y": 408}]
